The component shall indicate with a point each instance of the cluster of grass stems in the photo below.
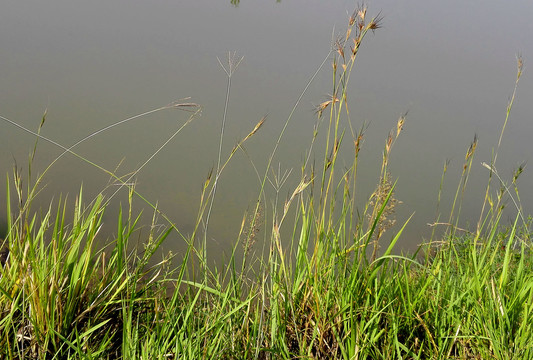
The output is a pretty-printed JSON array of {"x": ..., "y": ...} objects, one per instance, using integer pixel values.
[{"x": 322, "y": 289}]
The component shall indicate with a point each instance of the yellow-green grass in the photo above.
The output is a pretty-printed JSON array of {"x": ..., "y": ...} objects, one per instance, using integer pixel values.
[{"x": 324, "y": 289}]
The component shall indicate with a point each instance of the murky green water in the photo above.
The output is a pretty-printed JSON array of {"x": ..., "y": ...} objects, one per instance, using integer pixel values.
[{"x": 450, "y": 64}]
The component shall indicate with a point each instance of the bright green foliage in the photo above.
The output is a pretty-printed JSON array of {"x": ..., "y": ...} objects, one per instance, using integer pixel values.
[{"x": 326, "y": 287}]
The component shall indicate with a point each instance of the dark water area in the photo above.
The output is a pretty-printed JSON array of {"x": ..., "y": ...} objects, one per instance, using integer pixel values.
[{"x": 450, "y": 65}]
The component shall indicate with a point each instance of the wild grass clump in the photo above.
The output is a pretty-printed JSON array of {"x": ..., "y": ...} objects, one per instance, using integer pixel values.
[{"x": 328, "y": 287}]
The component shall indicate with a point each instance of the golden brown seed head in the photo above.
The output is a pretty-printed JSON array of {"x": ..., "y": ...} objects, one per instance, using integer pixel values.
[{"x": 361, "y": 13}]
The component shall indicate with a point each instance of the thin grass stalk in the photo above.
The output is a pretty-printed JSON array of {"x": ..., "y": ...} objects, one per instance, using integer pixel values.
[
  {"x": 437, "y": 211},
  {"x": 461, "y": 187},
  {"x": 32, "y": 194},
  {"x": 232, "y": 66},
  {"x": 520, "y": 65},
  {"x": 66, "y": 150}
]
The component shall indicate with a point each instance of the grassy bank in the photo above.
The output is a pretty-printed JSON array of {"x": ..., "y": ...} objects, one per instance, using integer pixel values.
[{"x": 328, "y": 286}]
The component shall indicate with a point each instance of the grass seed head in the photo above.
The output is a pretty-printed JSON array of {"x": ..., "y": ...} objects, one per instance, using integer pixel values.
[
  {"x": 520, "y": 65},
  {"x": 339, "y": 47},
  {"x": 361, "y": 12},
  {"x": 518, "y": 172},
  {"x": 257, "y": 126},
  {"x": 401, "y": 122},
  {"x": 322, "y": 106},
  {"x": 472, "y": 148},
  {"x": 375, "y": 23}
]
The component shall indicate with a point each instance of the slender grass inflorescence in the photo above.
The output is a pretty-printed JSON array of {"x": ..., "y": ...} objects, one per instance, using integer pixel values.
[{"x": 323, "y": 290}]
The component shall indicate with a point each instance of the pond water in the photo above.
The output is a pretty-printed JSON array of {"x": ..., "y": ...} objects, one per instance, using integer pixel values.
[{"x": 451, "y": 65}]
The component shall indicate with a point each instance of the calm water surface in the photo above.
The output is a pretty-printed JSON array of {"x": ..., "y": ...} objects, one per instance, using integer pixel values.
[{"x": 451, "y": 65}]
